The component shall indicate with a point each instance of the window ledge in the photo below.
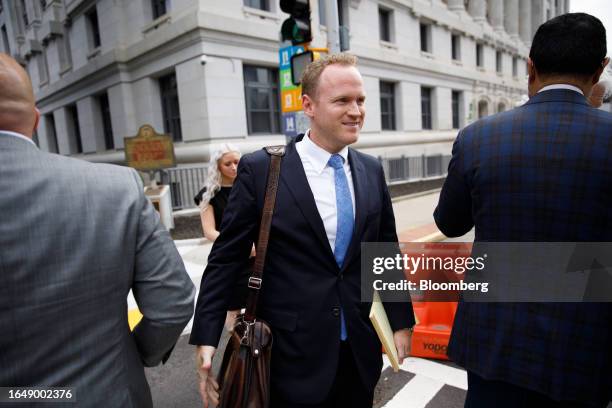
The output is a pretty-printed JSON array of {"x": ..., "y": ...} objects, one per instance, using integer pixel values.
[
  {"x": 94, "y": 53},
  {"x": 43, "y": 83},
  {"x": 499, "y": 74},
  {"x": 64, "y": 70},
  {"x": 262, "y": 14},
  {"x": 388, "y": 45},
  {"x": 481, "y": 69},
  {"x": 426, "y": 54},
  {"x": 458, "y": 62},
  {"x": 154, "y": 25}
]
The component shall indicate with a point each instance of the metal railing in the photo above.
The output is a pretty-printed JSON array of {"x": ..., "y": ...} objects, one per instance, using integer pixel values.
[
  {"x": 414, "y": 168},
  {"x": 185, "y": 182}
]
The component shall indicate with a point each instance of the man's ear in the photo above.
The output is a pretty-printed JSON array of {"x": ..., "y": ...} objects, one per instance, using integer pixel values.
[
  {"x": 600, "y": 70},
  {"x": 37, "y": 120},
  {"x": 307, "y": 106},
  {"x": 531, "y": 70}
]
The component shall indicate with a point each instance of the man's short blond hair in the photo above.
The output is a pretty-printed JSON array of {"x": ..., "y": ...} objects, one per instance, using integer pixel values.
[{"x": 312, "y": 73}]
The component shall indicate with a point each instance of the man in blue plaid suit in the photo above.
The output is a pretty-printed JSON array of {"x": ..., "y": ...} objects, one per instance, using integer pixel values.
[{"x": 540, "y": 172}]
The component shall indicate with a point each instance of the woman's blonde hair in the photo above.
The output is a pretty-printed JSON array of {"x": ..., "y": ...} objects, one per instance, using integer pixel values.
[{"x": 213, "y": 176}]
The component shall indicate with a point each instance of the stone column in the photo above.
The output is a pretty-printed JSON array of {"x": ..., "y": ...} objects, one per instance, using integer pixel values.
[
  {"x": 496, "y": 14},
  {"x": 90, "y": 123},
  {"x": 538, "y": 15},
  {"x": 511, "y": 18},
  {"x": 525, "y": 21},
  {"x": 456, "y": 5},
  {"x": 478, "y": 10}
]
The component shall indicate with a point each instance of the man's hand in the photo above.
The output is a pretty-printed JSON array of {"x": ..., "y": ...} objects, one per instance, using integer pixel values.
[
  {"x": 209, "y": 389},
  {"x": 402, "y": 339}
]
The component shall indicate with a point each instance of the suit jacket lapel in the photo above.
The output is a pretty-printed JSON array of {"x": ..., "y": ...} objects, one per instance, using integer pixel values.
[
  {"x": 361, "y": 197},
  {"x": 294, "y": 178}
]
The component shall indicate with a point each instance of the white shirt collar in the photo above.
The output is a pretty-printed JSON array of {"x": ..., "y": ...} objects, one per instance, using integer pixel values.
[
  {"x": 318, "y": 156},
  {"x": 562, "y": 86},
  {"x": 18, "y": 135}
]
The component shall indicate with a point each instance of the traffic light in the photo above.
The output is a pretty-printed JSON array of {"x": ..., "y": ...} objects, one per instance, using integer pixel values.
[{"x": 297, "y": 27}]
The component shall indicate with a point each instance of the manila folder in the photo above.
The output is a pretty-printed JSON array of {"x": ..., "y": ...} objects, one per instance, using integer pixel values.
[{"x": 379, "y": 320}]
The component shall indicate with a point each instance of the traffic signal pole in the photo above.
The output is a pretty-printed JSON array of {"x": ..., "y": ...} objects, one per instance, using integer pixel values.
[{"x": 333, "y": 26}]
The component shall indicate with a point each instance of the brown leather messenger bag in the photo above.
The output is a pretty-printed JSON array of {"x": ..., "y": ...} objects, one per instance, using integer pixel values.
[{"x": 244, "y": 378}]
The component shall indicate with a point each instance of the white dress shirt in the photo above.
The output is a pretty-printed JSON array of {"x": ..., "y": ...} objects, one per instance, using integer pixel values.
[
  {"x": 321, "y": 180},
  {"x": 562, "y": 86},
  {"x": 17, "y": 135}
]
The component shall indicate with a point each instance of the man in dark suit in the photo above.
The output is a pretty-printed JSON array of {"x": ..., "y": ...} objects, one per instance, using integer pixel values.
[
  {"x": 75, "y": 237},
  {"x": 541, "y": 172},
  {"x": 330, "y": 199}
]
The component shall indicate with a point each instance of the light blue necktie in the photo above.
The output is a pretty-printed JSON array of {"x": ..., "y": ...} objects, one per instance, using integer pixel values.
[{"x": 346, "y": 221}]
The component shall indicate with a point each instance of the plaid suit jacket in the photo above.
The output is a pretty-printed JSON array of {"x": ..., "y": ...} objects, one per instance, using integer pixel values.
[{"x": 540, "y": 172}]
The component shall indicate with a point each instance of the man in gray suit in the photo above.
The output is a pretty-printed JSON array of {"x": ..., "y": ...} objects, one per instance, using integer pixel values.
[{"x": 75, "y": 237}]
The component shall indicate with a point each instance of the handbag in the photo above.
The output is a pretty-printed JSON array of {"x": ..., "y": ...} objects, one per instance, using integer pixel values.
[{"x": 244, "y": 377}]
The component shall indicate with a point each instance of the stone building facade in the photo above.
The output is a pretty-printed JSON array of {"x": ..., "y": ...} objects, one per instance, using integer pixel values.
[{"x": 206, "y": 71}]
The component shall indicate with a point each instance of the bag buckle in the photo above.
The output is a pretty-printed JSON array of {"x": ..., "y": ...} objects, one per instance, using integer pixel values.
[{"x": 254, "y": 283}]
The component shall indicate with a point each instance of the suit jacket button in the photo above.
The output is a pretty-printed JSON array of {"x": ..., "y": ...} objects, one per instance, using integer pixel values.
[{"x": 335, "y": 311}]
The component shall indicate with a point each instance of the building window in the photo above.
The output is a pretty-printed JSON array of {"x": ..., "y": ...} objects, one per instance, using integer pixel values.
[
  {"x": 498, "y": 62},
  {"x": 387, "y": 105},
  {"x": 456, "y": 100},
  {"x": 483, "y": 109},
  {"x": 76, "y": 130},
  {"x": 43, "y": 72},
  {"x": 262, "y": 100},
  {"x": 384, "y": 23},
  {"x": 1, "y": 6},
  {"x": 24, "y": 13},
  {"x": 171, "y": 108},
  {"x": 456, "y": 47},
  {"x": 107, "y": 124},
  {"x": 159, "y": 8},
  {"x": 425, "y": 30},
  {"x": 426, "y": 119},
  {"x": 479, "y": 55},
  {"x": 501, "y": 107},
  {"x": 258, "y": 4},
  {"x": 515, "y": 67},
  {"x": 94, "y": 28},
  {"x": 65, "y": 55},
  {"x": 5, "y": 41},
  {"x": 43, "y": 4},
  {"x": 51, "y": 133}
]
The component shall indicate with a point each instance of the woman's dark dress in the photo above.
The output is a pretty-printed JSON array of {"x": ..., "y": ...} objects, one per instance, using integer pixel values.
[{"x": 218, "y": 203}]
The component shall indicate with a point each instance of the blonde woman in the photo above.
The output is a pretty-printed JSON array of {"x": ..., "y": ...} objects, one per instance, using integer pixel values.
[{"x": 222, "y": 171}]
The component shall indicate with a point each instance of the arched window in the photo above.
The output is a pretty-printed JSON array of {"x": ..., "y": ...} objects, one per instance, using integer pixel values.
[
  {"x": 483, "y": 109},
  {"x": 501, "y": 107}
]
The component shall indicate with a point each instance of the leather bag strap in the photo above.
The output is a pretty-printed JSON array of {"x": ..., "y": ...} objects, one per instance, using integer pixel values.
[{"x": 255, "y": 280}]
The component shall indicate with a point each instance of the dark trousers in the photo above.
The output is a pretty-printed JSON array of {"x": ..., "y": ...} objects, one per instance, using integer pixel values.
[
  {"x": 346, "y": 392},
  {"x": 484, "y": 393}
]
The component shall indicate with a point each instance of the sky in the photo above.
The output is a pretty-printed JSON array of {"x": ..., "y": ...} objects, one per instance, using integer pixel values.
[{"x": 602, "y": 9}]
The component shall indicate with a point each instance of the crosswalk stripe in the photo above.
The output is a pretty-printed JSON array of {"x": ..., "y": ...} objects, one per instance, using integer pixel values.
[{"x": 416, "y": 393}]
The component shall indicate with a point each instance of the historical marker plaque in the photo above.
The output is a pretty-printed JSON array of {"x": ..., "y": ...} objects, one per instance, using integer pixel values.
[{"x": 149, "y": 150}]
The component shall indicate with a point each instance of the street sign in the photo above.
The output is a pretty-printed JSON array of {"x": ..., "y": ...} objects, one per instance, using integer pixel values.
[
  {"x": 295, "y": 123},
  {"x": 294, "y": 120}
]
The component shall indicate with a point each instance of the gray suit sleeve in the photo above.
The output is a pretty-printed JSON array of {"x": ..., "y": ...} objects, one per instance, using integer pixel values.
[{"x": 161, "y": 286}]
